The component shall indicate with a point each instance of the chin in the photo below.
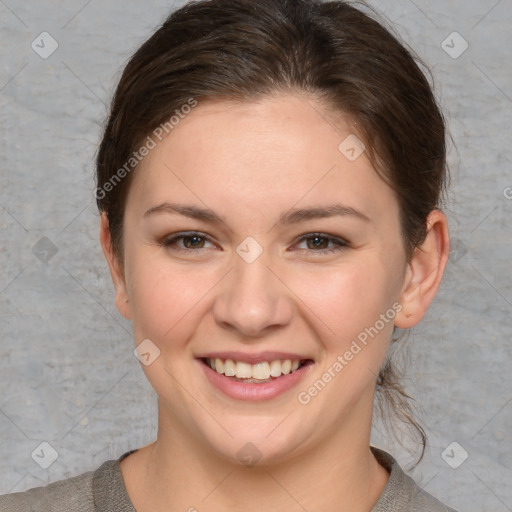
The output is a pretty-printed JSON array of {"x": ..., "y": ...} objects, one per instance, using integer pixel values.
[{"x": 258, "y": 449}]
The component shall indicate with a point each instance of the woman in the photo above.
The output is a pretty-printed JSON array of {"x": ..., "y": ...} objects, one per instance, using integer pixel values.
[{"x": 269, "y": 183}]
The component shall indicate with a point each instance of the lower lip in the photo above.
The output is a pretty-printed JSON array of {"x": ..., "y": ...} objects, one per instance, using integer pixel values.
[{"x": 253, "y": 391}]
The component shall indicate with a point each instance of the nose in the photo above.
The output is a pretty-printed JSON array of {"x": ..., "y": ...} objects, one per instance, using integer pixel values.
[{"x": 252, "y": 299}]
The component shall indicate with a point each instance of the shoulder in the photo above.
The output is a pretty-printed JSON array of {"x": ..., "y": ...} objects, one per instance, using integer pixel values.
[
  {"x": 102, "y": 489},
  {"x": 65, "y": 495},
  {"x": 401, "y": 493}
]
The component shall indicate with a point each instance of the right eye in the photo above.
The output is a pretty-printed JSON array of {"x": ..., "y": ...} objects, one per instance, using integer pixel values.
[{"x": 191, "y": 241}]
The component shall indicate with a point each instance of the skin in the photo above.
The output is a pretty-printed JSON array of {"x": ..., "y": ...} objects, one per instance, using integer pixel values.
[{"x": 250, "y": 163}]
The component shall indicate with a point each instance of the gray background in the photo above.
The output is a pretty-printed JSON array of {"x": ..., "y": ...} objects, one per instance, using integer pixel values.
[{"x": 68, "y": 376}]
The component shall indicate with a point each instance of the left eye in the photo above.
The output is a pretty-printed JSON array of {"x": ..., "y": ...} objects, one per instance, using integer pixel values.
[{"x": 319, "y": 241}]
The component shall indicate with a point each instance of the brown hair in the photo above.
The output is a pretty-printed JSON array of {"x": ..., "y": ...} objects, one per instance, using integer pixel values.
[{"x": 244, "y": 50}]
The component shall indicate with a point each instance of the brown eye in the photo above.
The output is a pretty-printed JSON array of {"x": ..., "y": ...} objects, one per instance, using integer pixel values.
[
  {"x": 190, "y": 241},
  {"x": 318, "y": 242}
]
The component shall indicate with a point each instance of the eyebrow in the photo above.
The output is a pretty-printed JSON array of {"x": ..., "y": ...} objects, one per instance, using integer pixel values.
[{"x": 291, "y": 217}]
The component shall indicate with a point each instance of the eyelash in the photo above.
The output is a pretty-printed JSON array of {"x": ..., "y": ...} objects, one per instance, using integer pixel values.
[{"x": 171, "y": 243}]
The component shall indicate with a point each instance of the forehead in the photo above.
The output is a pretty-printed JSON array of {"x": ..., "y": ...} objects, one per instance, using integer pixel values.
[{"x": 277, "y": 150}]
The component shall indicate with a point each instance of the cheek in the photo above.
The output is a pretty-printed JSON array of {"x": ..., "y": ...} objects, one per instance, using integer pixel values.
[
  {"x": 347, "y": 298},
  {"x": 351, "y": 309},
  {"x": 165, "y": 299}
]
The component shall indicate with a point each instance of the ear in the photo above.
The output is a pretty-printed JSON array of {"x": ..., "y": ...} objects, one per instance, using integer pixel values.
[
  {"x": 116, "y": 268},
  {"x": 424, "y": 272}
]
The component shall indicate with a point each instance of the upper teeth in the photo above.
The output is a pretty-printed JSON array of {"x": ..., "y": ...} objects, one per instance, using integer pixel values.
[{"x": 263, "y": 370}]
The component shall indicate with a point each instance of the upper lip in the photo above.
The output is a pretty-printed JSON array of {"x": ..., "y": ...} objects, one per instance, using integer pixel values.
[{"x": 254, "y": 358}]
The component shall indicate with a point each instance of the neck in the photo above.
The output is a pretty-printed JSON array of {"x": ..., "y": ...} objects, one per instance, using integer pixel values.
[{"x": 339, "y": 473}]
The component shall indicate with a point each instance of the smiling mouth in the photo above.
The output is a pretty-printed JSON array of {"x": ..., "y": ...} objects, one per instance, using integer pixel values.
[{"x": 265, "y": 371}]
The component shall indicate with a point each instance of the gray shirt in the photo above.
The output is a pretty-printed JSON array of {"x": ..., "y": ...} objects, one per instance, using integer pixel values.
[{"x": 103, "y": 490}]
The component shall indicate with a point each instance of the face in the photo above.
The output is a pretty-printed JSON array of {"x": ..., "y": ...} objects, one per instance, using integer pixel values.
[{"x": 298, "y": 257}]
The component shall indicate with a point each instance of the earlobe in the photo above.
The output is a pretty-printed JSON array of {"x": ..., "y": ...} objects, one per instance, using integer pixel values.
[
  {"x": 424, "y": 272},
  {"x": 115, "y": 267}
]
